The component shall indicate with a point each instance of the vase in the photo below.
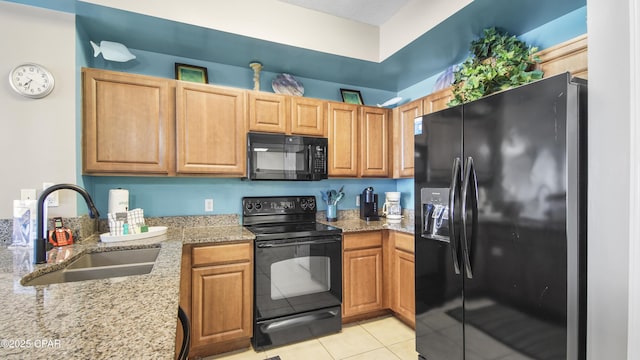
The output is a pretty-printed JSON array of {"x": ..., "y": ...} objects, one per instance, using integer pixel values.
[{"x": 332, "y": 213}]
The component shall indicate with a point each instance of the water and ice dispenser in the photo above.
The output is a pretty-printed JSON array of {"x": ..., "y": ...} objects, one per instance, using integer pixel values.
[{"x": 435, "y": 213}]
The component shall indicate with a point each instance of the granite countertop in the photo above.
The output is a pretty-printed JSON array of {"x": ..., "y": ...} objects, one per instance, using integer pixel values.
[
  {"x": 131, "y": 317},
  {"x": 117, "y": 318},
  {"x": 216, "y": 234},
  {"x": 358, "y": 225}
]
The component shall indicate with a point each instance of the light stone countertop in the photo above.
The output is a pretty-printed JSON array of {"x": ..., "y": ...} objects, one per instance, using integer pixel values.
[
  {"x": 118, "y": 318},
  {"x": 358, "y": 225},
  {"x": 131, "y": 317}
]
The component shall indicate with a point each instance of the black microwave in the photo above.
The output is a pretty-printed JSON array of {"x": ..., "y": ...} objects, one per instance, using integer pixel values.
[{"x": 286, "y": 157}]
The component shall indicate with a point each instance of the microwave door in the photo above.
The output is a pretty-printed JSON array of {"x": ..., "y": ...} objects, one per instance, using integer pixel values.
[
  {"x": 295, "y": 164},
  {"x": 268, "y": 160}
]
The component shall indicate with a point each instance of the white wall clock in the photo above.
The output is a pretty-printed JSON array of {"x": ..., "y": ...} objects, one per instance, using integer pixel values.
[{"x": 31, "y": 80}]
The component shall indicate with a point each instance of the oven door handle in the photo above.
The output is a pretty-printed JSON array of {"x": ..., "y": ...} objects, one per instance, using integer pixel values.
[
  {"x": 289, "y": 323},
  {"x": 310, "y": 242}
]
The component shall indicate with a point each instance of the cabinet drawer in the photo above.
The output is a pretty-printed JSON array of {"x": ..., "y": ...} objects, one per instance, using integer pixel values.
[
  {"x": 217, "y": 254},
  {"x": 404, "y": 242},
  {"x": 362, "y": 240}
]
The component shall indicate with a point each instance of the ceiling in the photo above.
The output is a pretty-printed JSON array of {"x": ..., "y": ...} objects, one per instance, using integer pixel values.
[{"x": 372, "y": 12}]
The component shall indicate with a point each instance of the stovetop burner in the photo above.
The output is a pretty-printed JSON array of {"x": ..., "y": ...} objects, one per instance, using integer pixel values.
[
  {"x": 283, "y": 217},
  {"x": 285, "y": 231}
]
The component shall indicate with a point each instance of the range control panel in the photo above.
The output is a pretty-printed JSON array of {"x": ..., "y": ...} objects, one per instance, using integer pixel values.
[{"x": 275, "y": 205}]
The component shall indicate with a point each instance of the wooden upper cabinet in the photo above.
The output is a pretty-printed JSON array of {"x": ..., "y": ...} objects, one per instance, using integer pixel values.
[
  {"x": 286, "y": 114},
  {"x": 436, "y": 101},
  {"x": 127, "y": 123},
  {"x": 403, "y": 132},
  {"x": 211, "y": 130},
  {"x": 307, "y": 116},
  {"x": 374, "y": 142},
  {"x": 267, "y": 112},
  {"x": 343, "y": 139},
  {"x": 568, "y": 56}
]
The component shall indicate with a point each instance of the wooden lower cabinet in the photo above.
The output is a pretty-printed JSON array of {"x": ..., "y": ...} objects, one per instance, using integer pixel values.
[
  {"x": 362, "y": 274},
  {"x": 378, "y": 276},
  {"x": 403, "y": 302},
  {"x": 217, "y": 295}
]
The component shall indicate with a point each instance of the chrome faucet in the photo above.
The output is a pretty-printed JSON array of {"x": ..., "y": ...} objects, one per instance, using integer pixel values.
[{"x": 40, "y": 246}]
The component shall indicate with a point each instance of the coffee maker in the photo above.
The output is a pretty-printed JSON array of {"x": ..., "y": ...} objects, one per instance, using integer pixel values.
[
  {"x": 369, "y": 205},
  {"x": 391, "y": 208}
]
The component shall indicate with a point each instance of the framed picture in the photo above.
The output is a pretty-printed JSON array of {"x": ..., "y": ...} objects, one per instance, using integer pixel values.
[
  {"x": 351, "y": 96},
  {"x": 192, "y": 73}
]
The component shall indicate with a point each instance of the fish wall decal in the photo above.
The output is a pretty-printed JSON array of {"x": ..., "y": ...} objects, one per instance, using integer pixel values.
[{"x": 112, "y": 51}]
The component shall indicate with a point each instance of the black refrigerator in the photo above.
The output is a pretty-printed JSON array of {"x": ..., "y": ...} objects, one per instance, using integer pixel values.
[{"x": 500, "y": 233}]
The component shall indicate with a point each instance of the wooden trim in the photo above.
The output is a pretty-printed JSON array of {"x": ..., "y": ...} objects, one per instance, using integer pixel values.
[{"x": 567, "y": 56}]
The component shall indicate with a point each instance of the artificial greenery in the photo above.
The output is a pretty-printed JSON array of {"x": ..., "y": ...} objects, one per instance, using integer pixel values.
[{"x": 499, "y": 61}]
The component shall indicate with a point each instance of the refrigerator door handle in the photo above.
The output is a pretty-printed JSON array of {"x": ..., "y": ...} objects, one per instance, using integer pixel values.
[
  {"x": 470, "y": 182},
  {"x": 453, "y": 191}
]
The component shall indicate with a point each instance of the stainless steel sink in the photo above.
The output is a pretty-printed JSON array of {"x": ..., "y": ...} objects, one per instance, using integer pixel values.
[
  {"x": 115, "y": 258},
  {"x": 102, "y": 265}
]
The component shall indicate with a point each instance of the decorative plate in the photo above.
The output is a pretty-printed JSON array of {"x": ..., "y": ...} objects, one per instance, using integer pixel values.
[{"x": 288, "y": 85}]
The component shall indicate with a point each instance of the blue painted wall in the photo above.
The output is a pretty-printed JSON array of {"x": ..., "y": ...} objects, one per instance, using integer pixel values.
[
  {"x": 162, "y": 65},
  {"x": 185, "y": 196},
  {"x": 552, "y": 33}
]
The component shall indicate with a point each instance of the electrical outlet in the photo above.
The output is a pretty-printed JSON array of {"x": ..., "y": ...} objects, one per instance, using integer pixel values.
[
  {"x": 52, "y": 199},
  {"x": 357, "y": 200},
  {"x": 208, "y": 205},
  {"x": 28, "y": 194}
]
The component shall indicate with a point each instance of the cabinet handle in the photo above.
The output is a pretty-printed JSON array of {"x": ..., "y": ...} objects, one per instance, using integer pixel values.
[{"x": 311, "y": 242}]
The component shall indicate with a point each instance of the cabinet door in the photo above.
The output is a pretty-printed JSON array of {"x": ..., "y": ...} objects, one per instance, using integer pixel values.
[
  {"x": 436, "y": 101},
  {"x": 267, "y": 112},
  {"x": 404, "y": 302},
  {"x": 211, "y": 131},
  {"x": 307, "y": 116},
  {"x": 221, "y": 303},
  {"x": 343, "y": 139},
  {"x": 362, "y": 272},
  {"x": 127, "y": 123},
  {"x": 374, "y": 142},
  {"x": 403, "y": 138}
]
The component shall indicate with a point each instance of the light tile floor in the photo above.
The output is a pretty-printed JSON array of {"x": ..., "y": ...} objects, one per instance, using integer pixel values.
[{"x": 385, "y": 338}]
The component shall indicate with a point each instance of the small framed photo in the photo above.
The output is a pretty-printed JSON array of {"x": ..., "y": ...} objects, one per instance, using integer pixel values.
[
  {"x": 351, "y": 96},
  {"x": 192, "y": 73}
]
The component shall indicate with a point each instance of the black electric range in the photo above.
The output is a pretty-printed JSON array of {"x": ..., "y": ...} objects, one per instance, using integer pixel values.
[{"x": 297, "y": 270}]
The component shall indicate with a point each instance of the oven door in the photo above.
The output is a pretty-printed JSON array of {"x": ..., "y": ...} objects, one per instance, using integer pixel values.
[
  {"x": 298, "y": 290},
  {"x": 294, "y": 276}
]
